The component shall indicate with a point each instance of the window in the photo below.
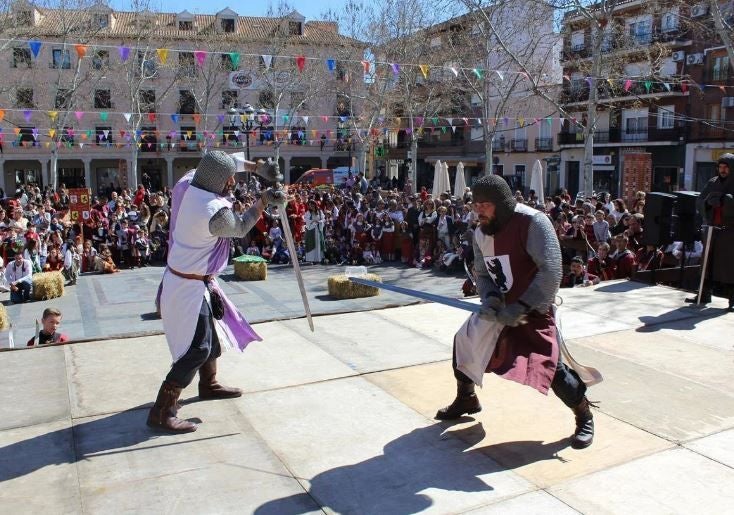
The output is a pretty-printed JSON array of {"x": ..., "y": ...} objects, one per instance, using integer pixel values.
[
  {"x": 520, "y": 170},
  {"x": 101, "y": 59},
  {"x": 499, "y": 169},
  {"x": 229, "y": 99},
  {"x": 578, "y": 83},
  {"x": 342, "y": 105},
  {"x": 720, "y": 68},
  {"x": 186, "y": 102},
  {"x": 298, "y": 100},
  {"x": 227, "y": 63},
  {"x": 640, "y": 30},
  {"x": 227, "y": 25},
  {"x": 267, "y": 99},
  {"x": 63, "y": 99},
  {"x": 24, "y": 18},
  {"x": 102, "y": 99},
  {"x": 577, "y": 41},
  {"x": 22, "y": 57},
  {"x": 103, "y": 135},
  {"x": 635, "y": 124},
  {"x": 101, "y": 20},
  {"x": 186, "y": 25},
  {"x": 607, "y": 41},
  {"x": 146, "y": 66},
  {"x": 24, "y": 98},
  {"x": 61, "y": 58},
  {"x": 186, "y": 63},
  {"x": 295, "y": 28},
  {"x": 669, "y": 21},
  {"x": 668, "y": 67},
  {"x": 436, "y": 42},
  {"x": 148, "y": 139},
  {"x": 146, "y": 98},
  {"x": 666, "y": 117}
]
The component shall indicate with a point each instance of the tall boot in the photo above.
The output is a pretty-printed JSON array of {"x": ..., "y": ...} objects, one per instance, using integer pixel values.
[
  {"x": 163, "y": 413},
  {"x": 584, "y": 434},
  {"x": 466, "y": 403},
  {"x": 208, "y": 386}
]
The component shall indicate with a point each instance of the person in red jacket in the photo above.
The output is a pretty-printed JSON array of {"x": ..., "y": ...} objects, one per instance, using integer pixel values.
[
  {"x": 139, "y": 196},
  {"x": 50, "y": 321},
  {"x": 295, "y": 211},
  {"x": 602, "y": 265},
  {"x": 623, "y": 258}
]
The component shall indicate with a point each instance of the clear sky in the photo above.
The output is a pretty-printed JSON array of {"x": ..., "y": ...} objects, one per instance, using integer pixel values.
[{"x": 311, "y": 9}]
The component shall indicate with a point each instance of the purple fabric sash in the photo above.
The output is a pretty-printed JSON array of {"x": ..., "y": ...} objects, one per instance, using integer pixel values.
[{"x": 233, "y": 323}]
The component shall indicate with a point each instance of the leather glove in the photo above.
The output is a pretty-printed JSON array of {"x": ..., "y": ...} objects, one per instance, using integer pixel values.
[
  {"x": 512, "y": 315},
  {"x": 275, "y": 197},
  {"x": 268, "y": 170},
  {"x": 490, "y": 307}
]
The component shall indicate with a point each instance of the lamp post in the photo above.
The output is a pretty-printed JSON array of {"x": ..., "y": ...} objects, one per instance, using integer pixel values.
[{"x": 246, "y": 119}]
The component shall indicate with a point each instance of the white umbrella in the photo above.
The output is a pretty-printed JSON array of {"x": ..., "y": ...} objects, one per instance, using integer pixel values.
[
  {"x": 536, "y": 181},
  {"x": 445, "y": 181},
  {"x": 437, "y": 169},
  {"x": 460, "y": 182}
]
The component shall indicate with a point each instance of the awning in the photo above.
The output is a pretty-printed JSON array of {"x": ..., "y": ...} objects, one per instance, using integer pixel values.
[{"x": 454, "y": 160}]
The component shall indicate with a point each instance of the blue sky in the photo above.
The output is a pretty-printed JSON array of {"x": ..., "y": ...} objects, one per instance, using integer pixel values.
[{"x": 311, "y": 9}]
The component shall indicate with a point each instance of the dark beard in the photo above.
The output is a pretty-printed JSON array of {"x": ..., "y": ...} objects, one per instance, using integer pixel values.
[{"x": 489, "y": 228}]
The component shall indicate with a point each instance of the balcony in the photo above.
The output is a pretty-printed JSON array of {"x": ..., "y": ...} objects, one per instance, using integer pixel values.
[
  {"x": 719, "y": 75},
  {"x": 570, "y": 138},
  {"x": 519, "y": 145},
  {"x": 543, "y": 144},
  {"x": 498, "y": 144}
]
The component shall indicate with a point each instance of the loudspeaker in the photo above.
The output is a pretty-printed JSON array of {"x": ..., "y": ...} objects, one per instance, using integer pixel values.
[
  {"x": 658, "y": 223},
  {"x": 686, "y": 222}
]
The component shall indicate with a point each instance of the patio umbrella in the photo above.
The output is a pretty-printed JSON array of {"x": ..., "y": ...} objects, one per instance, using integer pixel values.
[
  {"x": 536, "y": 180},
  {"x": 437, "y": 169},
  {"x": 460, "y": 182},
  {"x": 445, "y": 181}
]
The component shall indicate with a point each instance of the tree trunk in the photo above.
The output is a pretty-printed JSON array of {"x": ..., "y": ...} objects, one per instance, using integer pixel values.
[
  {"x": 53, "y": 179},
  {"x": 587, "y": 184},
  {"x": 362, "y": 161},
  {"x": 414, "y": 162},
  {"x": 722, "y": 31},
  {"x": 132, "y": 175},
  {"x": 488, "y": 151}
]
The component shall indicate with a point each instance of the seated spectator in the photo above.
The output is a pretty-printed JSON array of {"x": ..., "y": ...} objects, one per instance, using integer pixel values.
[
  {"x": 89, "y": 257},
  {"x": 578, "y": 276},
  {"x": 50, "y": 323},
  {"x": 54, "y": 261},
  {"x": 31, "y": 254},
  {"x": 649, "y": 258},
  {"x": 252, "y": 250},
  {"x": 634, "y": 232},
  {"x": 105, "y": 263},
  {"x": 602, "y": 265},
  {"x": 19, "y": 276},
  {"x": 623, "y": 258}
]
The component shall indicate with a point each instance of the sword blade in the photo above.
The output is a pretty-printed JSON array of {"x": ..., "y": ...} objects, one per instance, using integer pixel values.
[
  {"x": 446, "y": 301},
  {"x": 296, "y": 267}
]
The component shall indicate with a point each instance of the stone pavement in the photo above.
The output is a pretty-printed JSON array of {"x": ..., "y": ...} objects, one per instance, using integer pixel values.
[
  {"x": 108, "y": 306},
  {"x": 340, "y": 421}
]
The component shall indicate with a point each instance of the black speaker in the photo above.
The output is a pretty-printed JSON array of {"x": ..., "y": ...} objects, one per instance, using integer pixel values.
[
  {"x": 658, "y": 224},
  {"x": 686, "y": 222}
]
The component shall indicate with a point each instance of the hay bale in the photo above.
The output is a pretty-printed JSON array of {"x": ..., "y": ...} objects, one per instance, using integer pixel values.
[
  {"x": 4, "y": 319},
  {"x": 340, "y": 287},
  {"x": 48, "y": 285},
  {"x": 250, "y": 268}
]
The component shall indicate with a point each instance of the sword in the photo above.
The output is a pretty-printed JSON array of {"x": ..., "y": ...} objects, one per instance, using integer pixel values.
[
  {"x": 589, "y": 375},
  {"x": 296, "y": 267}
]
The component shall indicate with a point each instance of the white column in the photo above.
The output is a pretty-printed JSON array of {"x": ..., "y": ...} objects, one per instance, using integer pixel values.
[
  {"x": 324, "y": 161},
  {"x": 287, "y": 169},
  {"x": 88, "y": 172},
  {"x": 2, "y": 175},
  {"x": 169, "y": 172},
  {"x": 690, "y": 167}
]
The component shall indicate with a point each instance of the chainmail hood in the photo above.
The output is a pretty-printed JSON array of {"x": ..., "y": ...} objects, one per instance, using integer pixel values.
[
  {"x": 727, "y": 159},
  {"x": 213, "y": 172},
  {"x": 493, "y": 188}
]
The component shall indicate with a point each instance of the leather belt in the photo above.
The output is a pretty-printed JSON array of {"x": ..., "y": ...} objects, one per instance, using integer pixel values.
[{"x": 194, "y": 277}]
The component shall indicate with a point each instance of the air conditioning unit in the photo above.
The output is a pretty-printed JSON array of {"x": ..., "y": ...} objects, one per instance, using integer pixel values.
[
  {"x": 694, "y": 59},
  {"x": 727, "y": 102},
  {"x": 678, "y": 56},
  {"x": 699, "y": 10}
]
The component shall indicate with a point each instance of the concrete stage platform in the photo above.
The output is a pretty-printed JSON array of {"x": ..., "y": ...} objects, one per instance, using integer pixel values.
[{"x": 341, "y": 421}]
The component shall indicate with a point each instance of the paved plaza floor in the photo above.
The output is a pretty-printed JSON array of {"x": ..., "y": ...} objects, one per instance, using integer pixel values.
[{"x": 340, "y": 420}]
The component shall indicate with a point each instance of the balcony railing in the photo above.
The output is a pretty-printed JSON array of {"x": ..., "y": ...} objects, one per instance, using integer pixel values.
[
  {"x": 498, "y": 144},
  {"x": 570, "y": 138},
  {"x": 543, "y": 144},
  {"x": 635, "y": 135},
  {"x": 519, "y": 145}
]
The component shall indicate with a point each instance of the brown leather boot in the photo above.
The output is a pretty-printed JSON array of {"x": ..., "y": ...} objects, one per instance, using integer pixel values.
[
  {"x": 466, "y": 403},
  {"x": 584, "y": 434},
  {"x": 208, "y": 386},
  {"x": 163, "y": 413}
]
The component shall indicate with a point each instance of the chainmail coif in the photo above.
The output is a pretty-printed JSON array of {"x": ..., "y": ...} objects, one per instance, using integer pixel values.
[
  {"x": 494, "y": 189},
  {"x": 213, "y": 172}
]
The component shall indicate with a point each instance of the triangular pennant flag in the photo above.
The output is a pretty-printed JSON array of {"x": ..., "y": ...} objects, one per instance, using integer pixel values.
[
  {"x": 88, "y": 133},
  {"x": 566, "y": 77},
  {"x": 81, "y": 145},
  {"x": 2, "y": 116},
  {"x": 627, "y": 85},
  {"x": 434, "y": 120},
  {"x": 453, "y": 129},
  {"x": 300, "y": 62},
  {"x": 234, "y": 58},
  {"x": 81, "y": 50},
  {"x": 35, "y": 47},
  {"x": 683, "y": 87},
  {"x": 151, "y": 117},
  {"x": 174, "y": 118},
  {"x": 499, "y": 74},
  {"x": 51, "y": 133},
  {"x": 103, "y": 116},
  {"x": 479, "y": 73},
  {"x": 667, "y": 85},
  {"x": 53, "y": 115},
  {"x": 124, "y": 53},
  {"x": 424, "y": 70},
  {"x": 395, "y": 69},
  {"x": 79, "y": 115},
  {"x": 197, "y": 118},
  {"x": 162, "y": 55},
  {"x": 305, "y": 120},
  {"x": 127, "y": 116},
  {"x": 648, "y": 84},
  {"x": 200, "y": 57},
  {"x": 590, "y": 82},
  {"x": 331, "y": 64},
  {"x": 723, "y": 89},
  {"x": 285, "y": 118},
  {"x": 521, "y": 121},
  {"x": 443, "y": 130},
  {"x": 140, "y": 145},
  {"x": 188, "y": 134},
  {"x": 106, "y": 133},
  {"x": 47, "y": 144},
  {"x": 455, "y": 71},
  {"x": 27, "y": 115},
  {"x": 450, "y": 120},
  {"x": 466, "y": 121},
  {"x": 366, "y": 67},
  {"x": 267, "y": 61},
  {"x": 324, "y": 118},
  {"x": 16, "y": 130}
]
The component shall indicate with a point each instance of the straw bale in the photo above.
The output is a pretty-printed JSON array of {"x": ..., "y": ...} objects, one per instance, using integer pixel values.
[
  {"x": 251, "y": 271},
  {"x": 48, "y": 285},
  {"x": 341, "y": 287}
]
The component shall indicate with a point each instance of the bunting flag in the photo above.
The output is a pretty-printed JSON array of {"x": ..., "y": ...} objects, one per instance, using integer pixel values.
[
  {"x": 366, "y": 67},
  {"x": 200, "y": 57},
  {"x": 162, "y": 55},
  {"x": 331, "y": 65},
  {"x": 124, "y": 53},
  {"x": 220, "y": 118},
  {"x": 51, "y": 133},
  {"x": 590, "y": 82},
  {"x": 53, "y": 115},
  {"x": 305, "y": 120},
  {"x": 300, "y": 62},
  {"x": 27, "y": 115},
  {"x": 267, "y": 61},
  {"x": 424, "y": 70},
  {"x": 395, "y": 69},
  {"x": 451, "y": 121},
  {"x": 127, "y": 116},
  {"x": 419, "y": 120},
  {"x": 627, "y": 85},
  {"x": 455, "y": 71},
  {"x": 174, "y": 118},
  {"x": 234, "y": 58},
  {"x": 81, "y": 50},
  {"x": 16, "y": 130},
  {"x": 499, "y": 74},
  {"x": 683, "y": 86},
  {"x": 667, "y": 86},
  {"x": 81, "y": 145},
  {"x": 35, "y": 47},
  {"x": 723, "y": 89},
  {"x": 2, "y": 116},
  {"x": 197, "y": 118},
  {"x": 151, "y": 117},
  {"x": 479, "y": 73},
  {"x": 103, "y": 116},
  {"x": 79, "y": 115},
  {"x": 325, "y": 118},
  {"x": 566, "y": 77},
  {"x": 648, "y": 84}
]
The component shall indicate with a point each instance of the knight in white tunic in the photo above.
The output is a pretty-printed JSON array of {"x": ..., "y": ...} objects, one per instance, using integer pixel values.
[{"x": 198, "y": 319}]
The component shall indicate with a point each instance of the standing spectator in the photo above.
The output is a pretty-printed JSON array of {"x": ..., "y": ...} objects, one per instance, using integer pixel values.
[
  {"x": 619, "y": 210},
  {"x": 388, "y": 238},
  {"x": 601, "y": 227},
  {"x": 72, "y": 262},
  {"x": 444, "y": 227},
  {"x": 31, "y": 254},
  {"x": 19, "y": 277},
  {"x": 296, "y": 211},
  {"x": 314, "y": 221},
  {"x": 623, "y": 258},
  {"x": 50, "y": 322}
]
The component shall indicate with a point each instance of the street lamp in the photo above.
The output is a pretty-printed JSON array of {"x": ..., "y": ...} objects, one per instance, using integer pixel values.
[{"x": 246, "y": 118}]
